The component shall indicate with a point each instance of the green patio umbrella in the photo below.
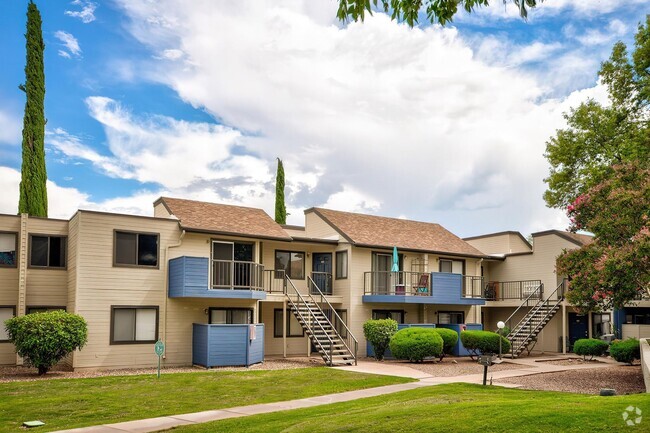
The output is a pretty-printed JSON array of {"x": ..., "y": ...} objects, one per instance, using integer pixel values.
[{"x": 395, "y": 267}]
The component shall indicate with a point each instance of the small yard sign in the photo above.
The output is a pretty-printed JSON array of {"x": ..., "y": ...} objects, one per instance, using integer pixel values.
[{"x": 159, "y": 348}]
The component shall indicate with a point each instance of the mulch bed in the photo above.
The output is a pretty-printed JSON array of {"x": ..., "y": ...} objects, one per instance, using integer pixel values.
[
  {"x": 453, "y": 366},
  {"x": 624, "y": 379}
]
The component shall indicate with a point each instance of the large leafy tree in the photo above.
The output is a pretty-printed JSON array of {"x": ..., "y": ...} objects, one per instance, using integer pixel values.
[
  {"x": 615, "y": 268},
  {"x": 33, "y": 189},
  {"x": 441, "y": 11},
  {"x": 600, "y": 174},
  {"x": 280, "y": 207},
  {"x": 600, "y": 136}
]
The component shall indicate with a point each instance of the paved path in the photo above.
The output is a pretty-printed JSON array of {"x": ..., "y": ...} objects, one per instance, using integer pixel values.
[{"x": 528, "y": 367}]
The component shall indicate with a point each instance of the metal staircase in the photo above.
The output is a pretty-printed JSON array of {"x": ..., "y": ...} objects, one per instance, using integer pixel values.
[
  {"x": 310, "y": 310},
  {"x": 523, "y": 335}
]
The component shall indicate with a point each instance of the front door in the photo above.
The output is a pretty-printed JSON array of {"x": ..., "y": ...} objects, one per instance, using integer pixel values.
[
  {"x": 322, "y": 272},
  {"x": 578, "y": 328}
]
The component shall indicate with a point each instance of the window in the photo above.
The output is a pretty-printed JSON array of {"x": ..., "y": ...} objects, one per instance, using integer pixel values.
[
  {"x": 452, "y": 266},
  {"x": 341, "y": 265},
  {"x": 600, "y": 324},
  {"x": 294, "y": 328},
  {"x": 451, "y": 317},
  {"x": 292, "y": 263},
  {"x": 231, "y": 316},
  {"x": 396, "y": 315},
  {"x": 134, "y": 325},
  {"x": 32, "y": 310},
  {"x": 6, "y": 313},
  {"x": 136, "y": 249},
  {"x": 47, "y": 251},
  {"x": 8, "y": 249}
]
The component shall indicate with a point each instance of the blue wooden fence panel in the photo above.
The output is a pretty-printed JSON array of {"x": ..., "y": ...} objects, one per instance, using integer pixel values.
[{"x": 188, "y": 277}]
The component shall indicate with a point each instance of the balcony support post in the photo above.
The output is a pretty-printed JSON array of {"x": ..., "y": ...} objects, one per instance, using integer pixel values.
[{"x": 284, "y": 328}]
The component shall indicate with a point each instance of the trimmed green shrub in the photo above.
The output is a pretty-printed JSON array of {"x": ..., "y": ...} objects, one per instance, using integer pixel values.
[
  {"x": 505, "y": 331},
  {"x": 379, "y": 333},
  {"x": 483, "y": 342},
  {"x": 449, "y": 340},
  {"x": 625, "y": 350},
  {"x": 415, "y": 344},
  {"x": 590, "y": 347},
  {"x": 43, "y": 339}
]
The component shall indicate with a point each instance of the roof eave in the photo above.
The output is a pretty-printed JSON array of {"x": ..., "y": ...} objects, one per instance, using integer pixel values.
[{"x": 242, "y": 235}]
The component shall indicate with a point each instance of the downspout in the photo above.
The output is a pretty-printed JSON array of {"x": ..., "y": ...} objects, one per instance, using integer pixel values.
[{"x": 164, "y": 333}]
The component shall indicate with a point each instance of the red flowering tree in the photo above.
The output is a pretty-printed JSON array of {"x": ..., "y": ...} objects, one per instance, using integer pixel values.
[{"x": 615, "y": 269}]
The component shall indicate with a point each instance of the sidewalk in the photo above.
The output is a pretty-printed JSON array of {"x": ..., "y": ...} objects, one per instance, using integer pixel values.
[{"x": 528, "y": 367}]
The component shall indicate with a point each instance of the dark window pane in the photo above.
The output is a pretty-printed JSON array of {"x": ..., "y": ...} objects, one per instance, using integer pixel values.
[
  {"x": 125, "y": 246},
  {"x": 39, "y": 251},
  {"x": 7, "y": 249},
  {"x": 282, "y": 261},
  {"x": 148, "y": 250},
  {"x": 222, "y": 251},
  {"x": 124, "y": 324},
  {"x": 243, "y": 252},
  {"x": 341, "y": 264},
  {"x": 57, "y": 252}
]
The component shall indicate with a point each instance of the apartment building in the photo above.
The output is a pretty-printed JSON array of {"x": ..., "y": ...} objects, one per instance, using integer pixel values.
[{"x": 226, "y": 285}]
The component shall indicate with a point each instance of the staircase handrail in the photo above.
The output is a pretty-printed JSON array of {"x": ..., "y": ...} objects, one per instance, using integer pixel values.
[
  {"x": 529, "y": 317},
  {"x": 535, "y": 293},
  {"x": 290, "y": 283},
  {"x": 331, "y": 308}
]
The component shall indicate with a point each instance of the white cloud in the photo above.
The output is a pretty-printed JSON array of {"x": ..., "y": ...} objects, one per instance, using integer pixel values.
[
  {"x": 10, "y": 128},
  {"x": 70, "y": 43},
  {"x": 87, "y": 12},
  {"x": 62, "y": 202},
  {"x": 373, "y": 116}
]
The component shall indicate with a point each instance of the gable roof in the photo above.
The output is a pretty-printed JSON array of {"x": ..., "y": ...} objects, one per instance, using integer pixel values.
[
  {"x": 198, "y": 216},
  {"x": 576, "y": 238},
  {"x": 492, "y": 235},
  {"x": 383, "y": 232}
]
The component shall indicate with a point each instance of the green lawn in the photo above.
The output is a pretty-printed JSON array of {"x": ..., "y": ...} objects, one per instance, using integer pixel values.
[
  {"x": 450, "y": 408},
  {"x": 69, "y": 403}
]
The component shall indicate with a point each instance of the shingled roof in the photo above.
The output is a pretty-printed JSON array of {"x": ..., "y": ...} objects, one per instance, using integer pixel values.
[
  {"x": 382, "y": 232},
  {"x": 224, "y": 219}
]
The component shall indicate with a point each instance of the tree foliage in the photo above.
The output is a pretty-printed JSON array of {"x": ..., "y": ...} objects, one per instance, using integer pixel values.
[
  {"x": 441, "y": 11},
  {"x": 615, "y": 268},
  {"x": 43, "y": 339},
  {"x": 280, "y": 207},
  {"x": 600, "y": 173},
  {"x": 379, "y": 333},
  {"x": 33, "y": 189},
  {"x": 597, "y": 136}
]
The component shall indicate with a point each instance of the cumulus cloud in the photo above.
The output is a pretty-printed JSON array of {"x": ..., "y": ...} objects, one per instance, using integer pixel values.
[
  {"x": 374, "y": 116},
  {"x": 86, "y": 13},
  {"x": 70, "y": 43}
]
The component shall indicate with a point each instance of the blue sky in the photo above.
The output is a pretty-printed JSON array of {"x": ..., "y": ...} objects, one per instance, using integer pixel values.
[{"x": 438, "y": 124}]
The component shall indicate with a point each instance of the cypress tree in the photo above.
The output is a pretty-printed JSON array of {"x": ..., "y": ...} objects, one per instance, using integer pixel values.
[
  {"x": 33, "y": 191},
  {"x": 280, "y": 207}
]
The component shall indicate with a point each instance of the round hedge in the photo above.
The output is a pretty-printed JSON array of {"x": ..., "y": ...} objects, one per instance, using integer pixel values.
[
  {"x": 415, "y": 344},
  {"x": 449, "y": 340},
  {"x": 379, "y": 333},
  {"x": 625, "y": 350},
  {"x": 483, "y": 342},
  {"x": 590, "y": 347}
]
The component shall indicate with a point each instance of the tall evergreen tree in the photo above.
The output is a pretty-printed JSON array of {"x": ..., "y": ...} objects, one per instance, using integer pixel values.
[
  {"x": 280, "y": 207},
  {"x": 33, "y": 190}
]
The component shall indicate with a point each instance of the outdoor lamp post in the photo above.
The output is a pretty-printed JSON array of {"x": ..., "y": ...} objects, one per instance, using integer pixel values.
[{"x": 500, "y": 325}]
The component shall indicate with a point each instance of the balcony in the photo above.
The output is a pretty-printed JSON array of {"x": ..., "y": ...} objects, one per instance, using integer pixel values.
[
  {"x": 190, "y": 277},
  {"x": 423, "y": 288},
  {"x": 512, "y": 290}
]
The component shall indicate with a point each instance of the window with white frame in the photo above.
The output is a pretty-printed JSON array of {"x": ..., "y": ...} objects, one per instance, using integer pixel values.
[{"x": 134, "y": 325}]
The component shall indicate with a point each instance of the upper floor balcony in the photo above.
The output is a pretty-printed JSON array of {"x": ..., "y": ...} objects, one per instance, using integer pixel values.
[
  {"x": 513, "y": 290},
  {"x": 423, "y": 288},
  {"x": 200, "y": 277}
]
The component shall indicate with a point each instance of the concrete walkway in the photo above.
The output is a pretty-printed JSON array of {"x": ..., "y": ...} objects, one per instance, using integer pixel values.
[{"x": 529, "y": 366}]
